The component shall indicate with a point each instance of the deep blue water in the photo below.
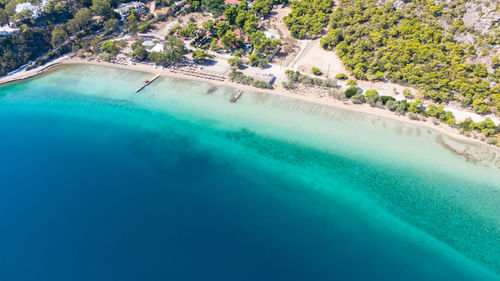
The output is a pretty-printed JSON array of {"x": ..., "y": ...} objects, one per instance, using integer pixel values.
[{"x": 101, "y": 189}]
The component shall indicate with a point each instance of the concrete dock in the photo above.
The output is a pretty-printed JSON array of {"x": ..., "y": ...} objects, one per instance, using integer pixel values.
[{"x": 147, "y": 82}]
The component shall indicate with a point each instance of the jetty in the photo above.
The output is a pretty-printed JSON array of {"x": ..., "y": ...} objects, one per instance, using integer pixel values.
[
  {"x": 211, "y": 90},
  {"x": 236, "y": 97},
  {"x": 147, "y": 82}
]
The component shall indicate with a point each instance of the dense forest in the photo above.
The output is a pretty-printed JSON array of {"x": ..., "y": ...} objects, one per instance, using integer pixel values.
[
  {"x": 416, "y": 44},
  {"x": 308, "y": 18},
  {"x": 60, "y": 27},
  {"x": 16, "y": 51}
]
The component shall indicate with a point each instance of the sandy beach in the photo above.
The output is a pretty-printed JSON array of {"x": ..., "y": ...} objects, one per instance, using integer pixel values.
[
  {"x": 311, "y": 98},
  {"x": 326, "y": 101}
]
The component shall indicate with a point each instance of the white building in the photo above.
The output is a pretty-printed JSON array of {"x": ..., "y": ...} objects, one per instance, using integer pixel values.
[
  {"x": 124, "y": 9},
  {"x": 157, "y": 48},
  {"x": 180, "y": 3},
  {"x": 269, "y": 35},
  {"x": 6, "y": 30},
  {"x": 35, "y": 10}
]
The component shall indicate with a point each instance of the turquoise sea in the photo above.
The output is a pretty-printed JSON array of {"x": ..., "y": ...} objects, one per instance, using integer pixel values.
[{"x": 177, "y": 183}]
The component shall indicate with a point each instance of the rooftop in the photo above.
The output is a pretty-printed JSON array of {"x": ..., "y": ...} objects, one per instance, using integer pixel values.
[
  {"x": 7, "y": 30},
  {"x": 35, "y": 10},
  {"x": 233, "y": 2}
]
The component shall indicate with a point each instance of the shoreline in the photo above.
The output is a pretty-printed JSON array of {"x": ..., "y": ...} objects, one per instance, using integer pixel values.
[{"x": 330, "y": 102}]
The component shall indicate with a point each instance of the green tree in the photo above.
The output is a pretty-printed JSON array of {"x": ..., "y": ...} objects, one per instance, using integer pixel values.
[
  {"x": 133, "y": 23},
  {"x": 110, "y": 47},
  {"x": 59, "y": 36},
  {"x": 111, "y": 26},
  {"x": 351, "y": 91},
  {"x": 333, "y": 38},
  {"x": 158, "y": 57},
  {"x": 231, "y": 14},
  {"x": 341, "y": 76},
  {"x": 145, "y": 27},
  {"x": 230, "y": 40},
  {"x": 407, "y": 93},
  {"x": 102, "y": 7},
  {"x": 4, "y": 17},
  {"x": 308, "y": 17},
  {"x": 235, "y": 62},
  {"x": 201, "y": 56},
  {"x": 139, "y": 52},
  {"x": 80, "y": 21},
  {"x": 352, "y": 83},
  {"x": 174, "y": 49},
  {"x": 415, "y": 107},
  {"x": 495, "y": 62},
  {"x": 358, "y": 98},
  {"x": 316, "y": 71}
]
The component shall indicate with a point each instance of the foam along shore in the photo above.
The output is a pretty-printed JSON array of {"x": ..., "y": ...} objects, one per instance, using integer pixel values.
[{"x": 311, "y": 98}]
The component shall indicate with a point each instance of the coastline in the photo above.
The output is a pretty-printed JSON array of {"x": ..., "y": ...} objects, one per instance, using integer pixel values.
[{"x": 330, "y": 102}]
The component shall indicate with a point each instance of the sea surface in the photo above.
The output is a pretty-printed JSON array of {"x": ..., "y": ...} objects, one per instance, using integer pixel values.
[{"x": 177, "y": 183}]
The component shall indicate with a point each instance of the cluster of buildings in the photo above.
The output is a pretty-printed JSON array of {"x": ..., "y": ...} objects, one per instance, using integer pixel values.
[{"x": 124, "y": 9}]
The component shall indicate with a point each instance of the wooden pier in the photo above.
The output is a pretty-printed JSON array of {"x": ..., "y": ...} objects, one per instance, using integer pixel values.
[
  {"x": 147, "y": 82},
  {"x": 236, "y": 97}
]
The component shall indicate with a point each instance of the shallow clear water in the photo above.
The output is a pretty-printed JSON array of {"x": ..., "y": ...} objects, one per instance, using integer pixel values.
[{"x": 99, "y": 183}]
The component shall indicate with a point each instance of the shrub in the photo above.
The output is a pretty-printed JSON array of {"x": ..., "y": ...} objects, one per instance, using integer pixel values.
[
  {"x": 371, "y": 93},
  {"x": 288, "y": 85},
  {"x": 401, "y": 107},
  {"x": 316, "y": 71},
  {"x": 262, "y": 84},
  {"x": 358, "y": 98},
  {"x": 392, "y": 105},
  {"x": 338, "y": 95},
  {"x": 413, "y": 116},
  {"x": 145, "y": 27},
  {"x": 341, "y": 76},
  {"x": 385, "y": 99},
  {"x": 297, "y": 77},
  {"x": 329, "y": 83},
  {"x": 351, "y": 91},
  {"x": 352, "y": 83},
  {"x": 407, "y": 94},
  {"x": 451, "y": 122},
  {"x": 235, "y": 62},
  {"x": 372, "y": 97}
]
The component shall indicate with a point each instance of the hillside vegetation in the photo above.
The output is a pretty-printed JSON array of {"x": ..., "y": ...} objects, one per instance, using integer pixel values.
[
  {"x": 62, "y": 26},
  {"x": 422, "y": 43}
]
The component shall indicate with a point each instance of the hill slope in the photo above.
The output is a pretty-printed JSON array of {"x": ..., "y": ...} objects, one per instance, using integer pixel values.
[{"x": 447, "y": 49}]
